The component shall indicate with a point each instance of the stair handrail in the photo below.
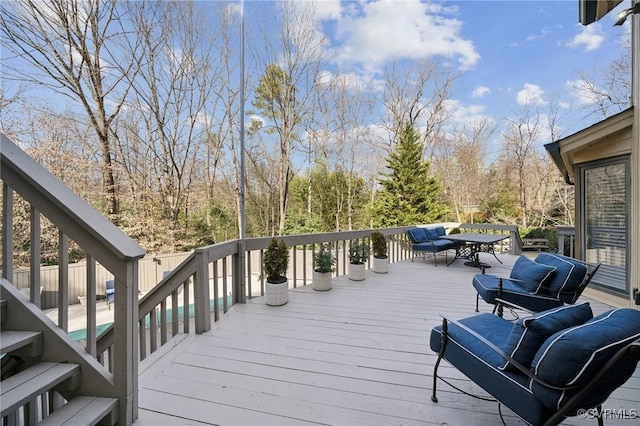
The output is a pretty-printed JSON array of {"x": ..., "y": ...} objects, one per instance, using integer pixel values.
[{"x": 99, "y": 238}]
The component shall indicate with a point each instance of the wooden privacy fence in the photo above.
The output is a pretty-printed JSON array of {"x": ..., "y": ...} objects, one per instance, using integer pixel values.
[{"x": 151, "y": 270}]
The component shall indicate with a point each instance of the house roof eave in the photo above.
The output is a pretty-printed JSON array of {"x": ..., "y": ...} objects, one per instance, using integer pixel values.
[{"x": 562, "y": 150}]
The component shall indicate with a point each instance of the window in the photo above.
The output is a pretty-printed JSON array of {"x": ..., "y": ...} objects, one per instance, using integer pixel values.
[{"x": 605, "y": 224}]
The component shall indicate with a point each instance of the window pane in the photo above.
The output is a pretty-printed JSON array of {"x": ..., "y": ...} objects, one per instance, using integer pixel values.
[{"x": 606, "y": 222}]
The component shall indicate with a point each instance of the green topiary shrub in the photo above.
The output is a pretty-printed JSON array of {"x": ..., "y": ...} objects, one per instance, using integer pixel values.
[
  {"x": 276, "y": 261},
  {"x": 379, "y": 244}
]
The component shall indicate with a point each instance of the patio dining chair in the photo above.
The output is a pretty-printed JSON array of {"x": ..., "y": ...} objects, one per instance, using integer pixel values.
[{"x": 110, "y": 292}]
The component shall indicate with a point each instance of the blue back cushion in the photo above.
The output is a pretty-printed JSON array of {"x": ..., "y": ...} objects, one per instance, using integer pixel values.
[
  {"x": 532, "y": 274},
  {"x": 568, "y": 276},
  {"x": 528, "y": 334},
  {"x": 417, "y": 235},
  {"x": 440, "y": 231},
  {"x": 573, "y": 356},
  {"x": 431, "y": 233}
]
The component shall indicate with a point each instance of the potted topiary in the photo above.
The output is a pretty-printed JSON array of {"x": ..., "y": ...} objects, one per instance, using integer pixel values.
[
  {"x": 380, "y": 258},
  {"x": 358, "y": 255},
  {"x": 323, "y": 262},
  {"x": 276, "y": 262}
]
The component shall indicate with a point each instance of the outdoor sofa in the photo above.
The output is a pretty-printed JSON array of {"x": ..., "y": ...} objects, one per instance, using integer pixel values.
[{"x": 429, "y": 240}]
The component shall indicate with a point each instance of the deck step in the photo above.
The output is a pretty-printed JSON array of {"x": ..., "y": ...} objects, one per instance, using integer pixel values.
[
  {"x": 83, "y": 411},
  {"x": 13, "y": 340},
  {"x": 26, "y": 385}
]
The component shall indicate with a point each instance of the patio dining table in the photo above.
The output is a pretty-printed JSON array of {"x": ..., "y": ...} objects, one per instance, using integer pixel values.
[{"x": 473, "y": 243}]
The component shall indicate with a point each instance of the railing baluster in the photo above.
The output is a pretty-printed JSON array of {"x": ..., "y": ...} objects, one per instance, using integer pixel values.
[
  {"x": 295, "y": 266},
  {"x": 34, "y": 267},
  {"x": 91, "y": 306},
  {"x": 153, "y": 331},
  {"x": 262, "y": 277},
  {"x": 7, "y": 237},
  {"x": 63, "y": 281},
  {"x": 216, "y": 293},
  {"x": 186, "y": 308},
  {"x": 225, "y": 286},
  {"x": 304, "y": 263},
  {"x": 248, "y": 280},
  {"x": 142, "y": 333},
  {"x": 163, "y": 322},
  {"x": 216, "y": 274},
  {"x": 174, "y": 312}
]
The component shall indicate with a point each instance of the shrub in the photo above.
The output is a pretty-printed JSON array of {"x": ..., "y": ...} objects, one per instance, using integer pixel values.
[
  {"x": 358, "y": 252},
  {"x": 323, "y": 261},
  {"x": 276, "y": 261},
  {"x": 379, "y": 244}
]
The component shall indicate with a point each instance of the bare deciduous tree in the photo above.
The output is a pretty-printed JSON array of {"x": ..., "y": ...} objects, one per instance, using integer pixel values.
[
  {"x": 416, "y": 95},
  {"x": 285, "y": 93},
  {"x": 461, "y": 164},
  {"x": 73, "y": 48},
  {"x": 169, "y": 96},
  {"x": 521, "y": 136}
]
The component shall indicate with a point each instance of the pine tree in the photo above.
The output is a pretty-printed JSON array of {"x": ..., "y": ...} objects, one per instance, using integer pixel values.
[{"x": 409, "y": 195}]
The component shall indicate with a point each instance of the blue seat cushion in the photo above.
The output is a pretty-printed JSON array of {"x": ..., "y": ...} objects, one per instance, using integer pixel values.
[
  {"x": 512, "y": 291},
  {"x": 528, "y": 334},
  {"x": 491, "y": 327},
  {"x": 433, "y": 246},
  {"x": 532, "y": 274},
  {"x": 573, "y": 356},
  {"x": 480, "y": 364},
  {"x": 569, "y": 274}
]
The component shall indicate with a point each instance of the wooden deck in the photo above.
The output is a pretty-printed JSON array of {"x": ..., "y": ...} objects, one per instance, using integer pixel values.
[{"x": 355, "y": 355}]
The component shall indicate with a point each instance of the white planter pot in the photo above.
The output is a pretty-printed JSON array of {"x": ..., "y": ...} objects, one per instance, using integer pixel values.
[
  {"x": 321, "y": 281},
  {"x": 356, "y": 271},
  {"x": 276, "y": 294},
  {"x": 381, "y": 265}
]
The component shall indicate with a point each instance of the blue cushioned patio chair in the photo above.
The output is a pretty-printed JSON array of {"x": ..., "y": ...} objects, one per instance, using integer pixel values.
[
  {"x": 548, "y": 282},
  {"x": 110, "y": 292},
  {"x": 556, "y": 364},
  {"x": 430, "y": 240}
]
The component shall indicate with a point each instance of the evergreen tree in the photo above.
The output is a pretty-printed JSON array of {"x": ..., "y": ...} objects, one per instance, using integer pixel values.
[{"x": 409, "y": 195}]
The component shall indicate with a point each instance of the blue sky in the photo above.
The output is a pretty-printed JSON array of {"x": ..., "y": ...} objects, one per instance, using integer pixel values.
[{"x": 510, "y": 53}]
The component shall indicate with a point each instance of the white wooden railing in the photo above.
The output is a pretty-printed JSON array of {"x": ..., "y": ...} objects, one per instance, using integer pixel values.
[
  {"x": 568, "y": 234},
  {"x": 212, "y": 279}
]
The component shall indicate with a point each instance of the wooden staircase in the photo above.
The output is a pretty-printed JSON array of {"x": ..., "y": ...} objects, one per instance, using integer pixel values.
[{"x": 43, "y": 392}]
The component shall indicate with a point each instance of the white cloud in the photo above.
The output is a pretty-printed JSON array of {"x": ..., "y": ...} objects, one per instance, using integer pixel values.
[
  {"x": 465, "y": 114},
  {"x": 480, "y": 91},
  {"x": 327, "y": 9},
  {"x": 372, "y": 33},
  {"x": 590, "y": 37},
  {"x": 542, "y": 34},
  {"x": 584, "y": 92},
  {"x": 530, "y": 94}
]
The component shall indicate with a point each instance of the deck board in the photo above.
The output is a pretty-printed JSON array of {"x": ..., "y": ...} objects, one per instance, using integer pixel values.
[{"x": 358, "y": 354}]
